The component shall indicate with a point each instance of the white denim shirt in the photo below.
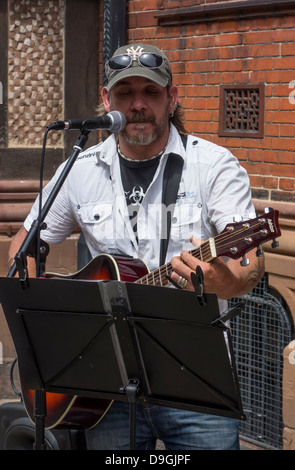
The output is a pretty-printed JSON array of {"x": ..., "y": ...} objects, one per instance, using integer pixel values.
[{"x": 213, "y": 189}]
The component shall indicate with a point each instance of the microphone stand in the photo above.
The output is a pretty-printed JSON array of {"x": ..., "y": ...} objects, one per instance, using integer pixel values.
[{"x": 29, "y": 245}]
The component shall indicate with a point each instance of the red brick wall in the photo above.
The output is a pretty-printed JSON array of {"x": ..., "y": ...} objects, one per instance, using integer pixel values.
[{"x": 206, "y": 55}]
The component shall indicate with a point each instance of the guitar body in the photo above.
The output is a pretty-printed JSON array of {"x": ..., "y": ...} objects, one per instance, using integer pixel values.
[
  {"x": 67, "y": 411},
  {"x": 106, "y": 267}
]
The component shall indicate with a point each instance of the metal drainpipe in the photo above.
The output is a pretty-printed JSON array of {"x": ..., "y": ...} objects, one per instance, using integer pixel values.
[{"x": 114, "y": 28}]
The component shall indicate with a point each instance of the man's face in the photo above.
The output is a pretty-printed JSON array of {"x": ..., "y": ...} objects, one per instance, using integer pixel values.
[{"x": 146, "y": 107}]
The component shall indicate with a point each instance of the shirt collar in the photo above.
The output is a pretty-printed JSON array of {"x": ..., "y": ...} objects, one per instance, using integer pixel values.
[{"x": 107, "y": 150}]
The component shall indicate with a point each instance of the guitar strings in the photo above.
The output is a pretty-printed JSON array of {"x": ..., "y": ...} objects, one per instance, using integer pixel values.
[
  {"x": 203, "y": 253},
  {"x": 219, "y": 240},
  {"x": 159, "y": 275}
]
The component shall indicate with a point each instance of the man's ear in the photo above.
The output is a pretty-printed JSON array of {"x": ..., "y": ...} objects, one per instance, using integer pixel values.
[
  {"x": 106, "y": 99},
  {"x": 173, "y": 92}
]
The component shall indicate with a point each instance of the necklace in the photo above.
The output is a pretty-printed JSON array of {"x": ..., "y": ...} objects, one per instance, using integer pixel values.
[{"x": 138, "y": 161}]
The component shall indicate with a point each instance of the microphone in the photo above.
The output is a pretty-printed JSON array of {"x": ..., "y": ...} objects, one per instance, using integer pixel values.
[{"x": 114, "y": 121}]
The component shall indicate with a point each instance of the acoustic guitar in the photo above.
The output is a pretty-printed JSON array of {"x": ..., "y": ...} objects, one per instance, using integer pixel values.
[{"x": 234, "y": 242}]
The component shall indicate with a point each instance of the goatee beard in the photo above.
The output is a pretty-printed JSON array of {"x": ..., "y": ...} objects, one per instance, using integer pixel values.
[{"x": 141, "y": 138}]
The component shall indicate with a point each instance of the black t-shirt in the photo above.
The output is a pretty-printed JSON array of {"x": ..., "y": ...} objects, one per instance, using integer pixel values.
[{"x": 136, "y": 178}]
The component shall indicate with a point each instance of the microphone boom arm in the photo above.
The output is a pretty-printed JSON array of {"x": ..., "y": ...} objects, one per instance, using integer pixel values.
[{"x": 29, "y": 244}]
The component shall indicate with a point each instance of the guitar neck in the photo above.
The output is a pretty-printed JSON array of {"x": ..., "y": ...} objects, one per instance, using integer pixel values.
[
  {"x": 159, "y": 277},
  {"x": 234, "y": 241}
]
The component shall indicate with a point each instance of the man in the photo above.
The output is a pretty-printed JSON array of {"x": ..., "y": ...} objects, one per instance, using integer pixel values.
[{"x": 113, "y": 193}]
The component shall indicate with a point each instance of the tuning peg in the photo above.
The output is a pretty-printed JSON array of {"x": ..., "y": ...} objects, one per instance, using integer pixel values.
[
  {"x": 252, "y": 215},
  {"x": 268, "y": 209},
  {"x": 274, "y": 244},
  {"x": 237, "y": 218},
  {"x": 259, "y": 251},
  {"x": 244, "y": 261}
]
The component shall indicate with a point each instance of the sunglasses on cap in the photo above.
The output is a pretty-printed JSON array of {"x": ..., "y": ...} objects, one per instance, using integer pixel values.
[{"x": 149, "y": 60}]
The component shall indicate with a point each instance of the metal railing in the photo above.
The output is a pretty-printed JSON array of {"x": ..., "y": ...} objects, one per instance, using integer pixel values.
[{"x": 260, "y": 334}]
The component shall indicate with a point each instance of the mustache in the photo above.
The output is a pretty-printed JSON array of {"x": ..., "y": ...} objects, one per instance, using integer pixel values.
[{"x": 140, "y": 118}]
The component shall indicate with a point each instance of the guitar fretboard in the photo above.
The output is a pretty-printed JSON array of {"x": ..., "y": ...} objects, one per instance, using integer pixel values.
[
  {"x": 160, "y": 276},
  {"x": 235, "y": 240}
]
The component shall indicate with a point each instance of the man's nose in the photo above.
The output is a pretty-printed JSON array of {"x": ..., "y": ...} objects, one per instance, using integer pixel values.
[{"x": 138, "y": 103}]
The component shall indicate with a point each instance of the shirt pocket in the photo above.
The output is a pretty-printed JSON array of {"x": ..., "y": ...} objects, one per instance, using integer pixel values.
[
  {"x": 186, "y": 221},
  {"x": 97, "y": 223}
]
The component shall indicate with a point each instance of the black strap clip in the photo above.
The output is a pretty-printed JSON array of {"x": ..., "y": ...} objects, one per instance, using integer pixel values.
[{"x": 197, "y": 279}]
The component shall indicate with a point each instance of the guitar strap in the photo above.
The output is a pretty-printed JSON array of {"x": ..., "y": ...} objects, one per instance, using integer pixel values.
[{"x": 171, "y": 180}]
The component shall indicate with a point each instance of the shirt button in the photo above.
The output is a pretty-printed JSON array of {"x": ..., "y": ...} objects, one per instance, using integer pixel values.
[{"x": 96, "y": 216}]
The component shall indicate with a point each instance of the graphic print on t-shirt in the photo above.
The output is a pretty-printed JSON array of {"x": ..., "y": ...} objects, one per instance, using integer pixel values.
[
  {"x": 136, "y": 196},
  {"x": 136, "y": 178}
]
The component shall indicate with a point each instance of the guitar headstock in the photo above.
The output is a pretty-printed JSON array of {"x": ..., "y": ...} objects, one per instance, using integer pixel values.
[{"x": 240, "y": 237}]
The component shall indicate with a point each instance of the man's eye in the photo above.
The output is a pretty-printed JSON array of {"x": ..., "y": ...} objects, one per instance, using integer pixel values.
[{"x": 124, "y": 92}]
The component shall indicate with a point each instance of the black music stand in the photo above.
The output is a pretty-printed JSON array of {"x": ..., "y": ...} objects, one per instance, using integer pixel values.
[{"x": 121, "y": 341}]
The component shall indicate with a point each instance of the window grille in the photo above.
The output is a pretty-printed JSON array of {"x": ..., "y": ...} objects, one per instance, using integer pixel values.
[
  {"x": 259, "y": 334},
  {"x": 241, "y": 111}
]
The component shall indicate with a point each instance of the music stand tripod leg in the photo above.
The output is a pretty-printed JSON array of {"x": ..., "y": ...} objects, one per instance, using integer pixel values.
[
  {"x": 40, "y": 414},
  {"x": 132, "y": 392}
]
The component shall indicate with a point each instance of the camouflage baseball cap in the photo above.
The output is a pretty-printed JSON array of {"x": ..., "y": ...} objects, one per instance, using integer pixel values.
[{"x": 139, "y": 60}]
